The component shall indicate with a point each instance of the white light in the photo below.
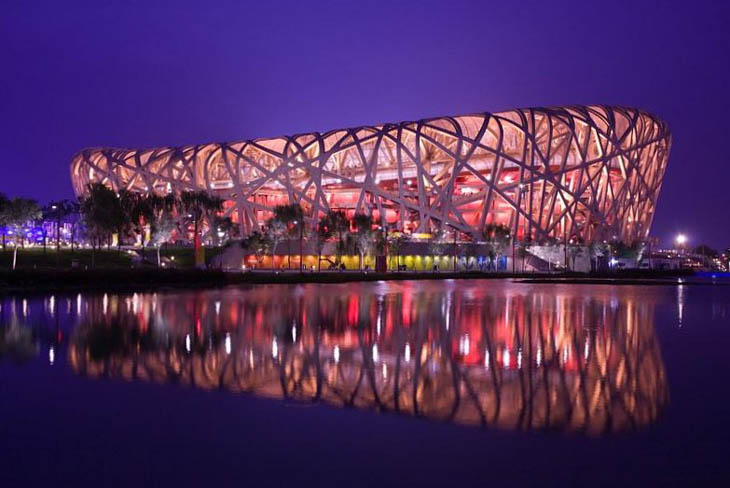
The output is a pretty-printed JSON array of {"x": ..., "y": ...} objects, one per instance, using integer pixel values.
[
  {"x": 274, "y": 348},
  {"x": 407, "y": 353},
  {"x": 217, "y": 307},
  {"x": 506, "y": 359},
  {"x": 385, "y": 371},
  {"x": 464, "y": 345},
  {"x": 187, "y": 342},
  {"x": 78, "y": 304},
  {"x": 681, "y": 239},
  {"x": 538, "y": 357},
  {"x": 25, "y": 307},
  {"x": 105, "y": 303},
  {"x": 294, "y": 333},
  {"x": 336, "y": 354},
  {"x": 375, "y": 353},
  {"x": 519, "y": 359},
  {"x": 51, "y": 356},
  {"x": 486, "y": 359},
  {"x": 228, "y": 343}
]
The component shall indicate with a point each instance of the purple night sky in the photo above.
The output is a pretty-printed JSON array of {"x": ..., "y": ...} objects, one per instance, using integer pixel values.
[{"x": 97, "y": 73}]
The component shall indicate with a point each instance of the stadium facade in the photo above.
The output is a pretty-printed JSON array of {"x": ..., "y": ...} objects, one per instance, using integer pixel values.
[{"x": 585, "y": 172}]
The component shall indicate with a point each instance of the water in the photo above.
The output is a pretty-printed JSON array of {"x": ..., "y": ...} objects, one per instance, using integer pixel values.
[{"x": 435, "y": 383}]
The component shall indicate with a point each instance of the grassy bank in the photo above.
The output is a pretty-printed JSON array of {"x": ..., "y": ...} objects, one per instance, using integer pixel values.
[
  {"x": 149, "y": 278},
  {"x": 35, "y": 258}
]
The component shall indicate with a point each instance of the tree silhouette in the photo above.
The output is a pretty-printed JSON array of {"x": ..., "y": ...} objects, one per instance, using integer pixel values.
[
  {"x": 363, "y": 236},
  {"x": 19, "y": 211},
  {"x": 102, "y": 215},
  {"x": 197, "y": 206}
]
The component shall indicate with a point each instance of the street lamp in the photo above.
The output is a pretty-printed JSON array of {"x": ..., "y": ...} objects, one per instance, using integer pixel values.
[
  {"x": 301, "y": 238},
  {"x": 681, "y": 239}
]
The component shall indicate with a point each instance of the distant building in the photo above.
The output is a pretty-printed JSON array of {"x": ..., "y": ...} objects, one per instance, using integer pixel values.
[{"x": 582, "y": 172}]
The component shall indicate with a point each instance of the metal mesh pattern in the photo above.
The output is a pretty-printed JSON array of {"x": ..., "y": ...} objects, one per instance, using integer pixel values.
[{"x": 575, "y": 172}]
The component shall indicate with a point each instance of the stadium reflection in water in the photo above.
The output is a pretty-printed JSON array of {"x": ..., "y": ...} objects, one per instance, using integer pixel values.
[{"x": 530, "y": 358}]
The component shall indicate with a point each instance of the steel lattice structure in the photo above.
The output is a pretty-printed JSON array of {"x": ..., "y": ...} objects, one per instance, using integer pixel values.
[{"x": 580, "y": 171}]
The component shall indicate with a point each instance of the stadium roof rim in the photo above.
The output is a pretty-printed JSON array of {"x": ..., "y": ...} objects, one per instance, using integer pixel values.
[{"x": 553, "y": 110}]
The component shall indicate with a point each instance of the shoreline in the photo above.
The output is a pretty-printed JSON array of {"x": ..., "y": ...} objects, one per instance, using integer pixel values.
[{"x": 121, "y": 279}]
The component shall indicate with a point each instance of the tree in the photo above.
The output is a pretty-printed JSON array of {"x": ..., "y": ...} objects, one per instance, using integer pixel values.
[
  {"x": 339, "y": 227},
  {"x": 222, "y": 228},
  {"x": 161, "y": 220},
  {"x": 257, "y": 243},
  {"x": 497, "y": 237},
  {"x": 74, "y": 219},
  {"x": 439, "y": 243},
  {"x": 38, "y": 223},
  {"x": 4, "y": 216},
  {"x": 101, "y": 214},
  {"x": 141, "y": 215},
  {"x": 631, "y": 251},
  {"x": 320, "y": 236},
  {"x": 197, "y": 206},
  {"x": 575, "y": 249},
  {"x": 523, "y": 250},
  {"x": 58, "y": 211},
  {"x": 292, "y": 218},
  {"x": 397, "y": 241},
  {"x": 364, "y": 236},
  {"x": 596, "y": 250},
  {"x": 705, "y": 251},
  {"x": 128, "y": 202},
  {"x": 274, "y": 232},
  {"x": 19, "y": 212}
]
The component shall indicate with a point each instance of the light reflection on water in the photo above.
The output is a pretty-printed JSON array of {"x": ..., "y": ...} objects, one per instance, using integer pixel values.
[{"x": 501, "y": 355}]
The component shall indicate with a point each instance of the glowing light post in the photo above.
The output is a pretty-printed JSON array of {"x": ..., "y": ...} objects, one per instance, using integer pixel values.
[
  {"x": 681, "y": 242},
  {"x": 301, "y": 238},
  {"x": 55, "y": 209},
  {"x": 454, "y": 249},
  {"x": 522, "y": 191},
  {"x": 387, "y": 244},
  {"x": 386, "y": 249}
]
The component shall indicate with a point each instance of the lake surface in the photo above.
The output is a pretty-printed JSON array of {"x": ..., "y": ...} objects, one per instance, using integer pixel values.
[{"x": 430, "y": 383}]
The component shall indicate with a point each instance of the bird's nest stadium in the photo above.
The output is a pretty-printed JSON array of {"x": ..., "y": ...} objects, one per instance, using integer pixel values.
[{"x": 584, "y": 172}]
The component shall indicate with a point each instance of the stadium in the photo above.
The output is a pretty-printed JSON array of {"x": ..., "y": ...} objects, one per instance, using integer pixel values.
[{"x": 578, "y": 172}]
